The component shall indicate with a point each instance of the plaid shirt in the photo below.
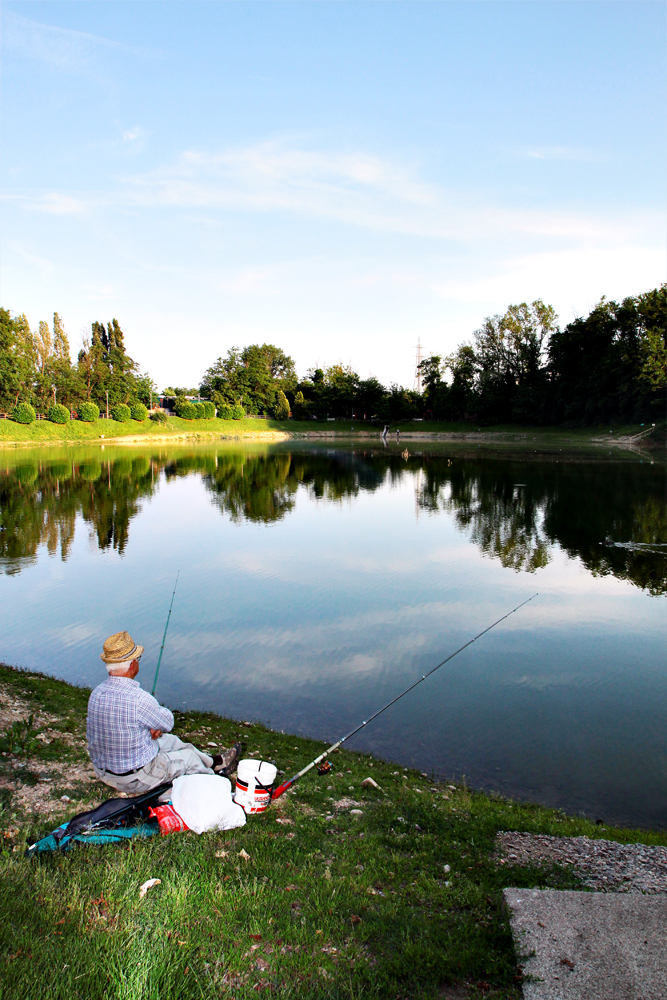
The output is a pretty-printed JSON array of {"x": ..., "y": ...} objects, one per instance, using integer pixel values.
[{"x": 120, "y": 717}]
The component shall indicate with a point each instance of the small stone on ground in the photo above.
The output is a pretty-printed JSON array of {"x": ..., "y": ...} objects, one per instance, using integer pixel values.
[{"x": 589, "y": 945}]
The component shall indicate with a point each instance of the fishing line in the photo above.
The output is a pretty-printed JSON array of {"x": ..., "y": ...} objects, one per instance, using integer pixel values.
[
  {"x": 334, "y": 746},
  {"x": 159, "y": 659}
]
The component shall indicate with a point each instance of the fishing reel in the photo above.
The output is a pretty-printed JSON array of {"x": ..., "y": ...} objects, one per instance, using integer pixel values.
[{"x": 325, "y": 767}]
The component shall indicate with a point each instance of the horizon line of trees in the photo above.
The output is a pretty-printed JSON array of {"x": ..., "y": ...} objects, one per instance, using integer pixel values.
[
  {"x": 36, "y": 367},
  {"x": 519, "y": 367}
]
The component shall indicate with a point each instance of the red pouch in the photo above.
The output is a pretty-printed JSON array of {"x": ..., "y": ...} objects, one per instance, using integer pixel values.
[{"x": 168, "y": 819}]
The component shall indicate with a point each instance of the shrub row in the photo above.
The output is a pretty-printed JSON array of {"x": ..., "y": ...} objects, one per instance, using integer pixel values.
[
  {"x": 194, "y": 411},
  {"x": 227, "y": 412},
  {"x": 24, "y": 413}
]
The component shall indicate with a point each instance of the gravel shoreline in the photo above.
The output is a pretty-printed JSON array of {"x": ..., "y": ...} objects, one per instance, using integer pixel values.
[{"x": 603, "y": 865}]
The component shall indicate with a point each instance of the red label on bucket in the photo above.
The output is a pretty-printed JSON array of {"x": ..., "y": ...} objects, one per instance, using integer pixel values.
[{"x": 253, "y": 785}]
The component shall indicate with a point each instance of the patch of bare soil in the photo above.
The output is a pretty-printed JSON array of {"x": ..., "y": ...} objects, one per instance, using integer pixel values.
[
  {"x": 36, "y": 785},
  {"x": 14, "y": 709}
]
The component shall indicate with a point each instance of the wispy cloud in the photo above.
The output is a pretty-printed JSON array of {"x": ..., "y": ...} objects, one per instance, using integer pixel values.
[
  {"x": 575, "y": 268},
  {"x": 71, "y": 51},
  {"x": 42, "y": 264},
  {"x": 560, "y": 153},
  {"x": 132, "y": 134},
  {"x": 352, "y": 188}
]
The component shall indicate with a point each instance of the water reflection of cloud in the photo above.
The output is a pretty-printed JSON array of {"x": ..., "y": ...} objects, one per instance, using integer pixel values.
[
  {"x": 75, "y": 634},
  {"x": 320, "y": 633},
  {"x": 541, "y": 682},
  {"x": 263, "y": 565}
]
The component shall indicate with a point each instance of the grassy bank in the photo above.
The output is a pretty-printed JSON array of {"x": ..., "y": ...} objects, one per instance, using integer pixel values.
[
  {"x": 323, "y": 903},
  {"x": 43, "y": 432},
  {"x": 77, "y": 431}
]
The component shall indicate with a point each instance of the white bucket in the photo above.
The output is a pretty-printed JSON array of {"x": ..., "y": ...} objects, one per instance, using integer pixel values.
[{"x": 254, "y": 782}]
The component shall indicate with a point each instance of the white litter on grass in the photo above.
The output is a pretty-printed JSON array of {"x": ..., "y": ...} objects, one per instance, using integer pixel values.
[
  {"x": 65, "y": 798},
  {"x": 446, "y": 869},
  {"x": 204, "y": 802},
  {"x": 369, "y": 783},
  {"x": 209, "y": 744},
  {"x": 356, "y": 812},
  {"x": 143, "y": 889},
  {"x": 244, "y": 854},
  {"x": 221, "y": 854}
]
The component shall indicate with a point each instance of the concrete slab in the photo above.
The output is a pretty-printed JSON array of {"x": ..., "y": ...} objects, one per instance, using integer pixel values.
[{"x": 590, "y": 945}]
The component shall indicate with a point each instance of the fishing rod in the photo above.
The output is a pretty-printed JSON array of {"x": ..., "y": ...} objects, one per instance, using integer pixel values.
[
  {"x": 334, "y": 746},
  {"x": 159, "y": 659}
]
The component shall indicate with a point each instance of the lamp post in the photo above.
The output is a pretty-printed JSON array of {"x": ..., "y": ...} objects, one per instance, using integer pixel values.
[{"x": 107, "y": 392}]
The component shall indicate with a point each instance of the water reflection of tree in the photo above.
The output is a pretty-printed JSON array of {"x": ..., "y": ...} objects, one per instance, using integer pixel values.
[
  {"x": 253, "y": 488},
  {"x": 588, "y": 505},
  {"x": 514, "y": 511},
  {"x": 39, "y": 504},
  {"x": 263, "y": 488},
  {"x": 502, "y": 518}
]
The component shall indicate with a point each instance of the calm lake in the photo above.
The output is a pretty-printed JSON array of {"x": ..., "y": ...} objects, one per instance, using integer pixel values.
[{"x": 317, "y": 581}]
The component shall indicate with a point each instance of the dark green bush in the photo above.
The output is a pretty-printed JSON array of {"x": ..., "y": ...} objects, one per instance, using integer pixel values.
[
  {"x": 138, "y": 411},
  {"x": 121, "y": 413},
  {"x": 89, "y": 412},
  {"x": 209, "y": 409},
  {"x": 225, "y": 412},
  {"x": 58, "y": 414},
  {"x": 24, "y": 413},
  {"x": 159, "y": 417},
  {"x": 200, "y": 411},
  {"x": 238, "y": 413},
  {"x": 185, "y": 411}
]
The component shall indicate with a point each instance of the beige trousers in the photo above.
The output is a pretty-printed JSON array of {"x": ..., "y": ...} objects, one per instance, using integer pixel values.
[{"x": 173, "y": 759}]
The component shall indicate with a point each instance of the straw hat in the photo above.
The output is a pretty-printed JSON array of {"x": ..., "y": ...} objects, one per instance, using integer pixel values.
[{"x": 120, "y": 648}]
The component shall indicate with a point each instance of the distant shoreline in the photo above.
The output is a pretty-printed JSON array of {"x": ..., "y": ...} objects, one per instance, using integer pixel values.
[{"x": 43, "y": 433}]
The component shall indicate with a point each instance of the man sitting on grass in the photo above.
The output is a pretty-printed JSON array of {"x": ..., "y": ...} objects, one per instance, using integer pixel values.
[{"x": 126, "y": 727}]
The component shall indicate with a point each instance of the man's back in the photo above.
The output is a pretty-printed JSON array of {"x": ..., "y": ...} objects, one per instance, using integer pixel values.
[{"x": 120, "y": 718}]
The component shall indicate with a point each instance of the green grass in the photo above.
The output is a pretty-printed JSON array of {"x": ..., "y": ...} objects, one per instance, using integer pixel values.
[
  {"x": 339, "y": 907},
  {"x": 44, "y": 432}
]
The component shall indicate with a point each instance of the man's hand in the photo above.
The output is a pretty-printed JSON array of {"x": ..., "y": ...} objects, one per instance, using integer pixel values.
[{"x": 156, "y": 734}]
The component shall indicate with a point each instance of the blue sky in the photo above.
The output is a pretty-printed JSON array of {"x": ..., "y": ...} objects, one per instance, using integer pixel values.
[{"x": 336, "y": 178}]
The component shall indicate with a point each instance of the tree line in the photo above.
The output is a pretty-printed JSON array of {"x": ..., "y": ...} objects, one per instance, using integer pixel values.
[
  {"x": 36, "y": 367},
  {"x": 519, "y": 367}
]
